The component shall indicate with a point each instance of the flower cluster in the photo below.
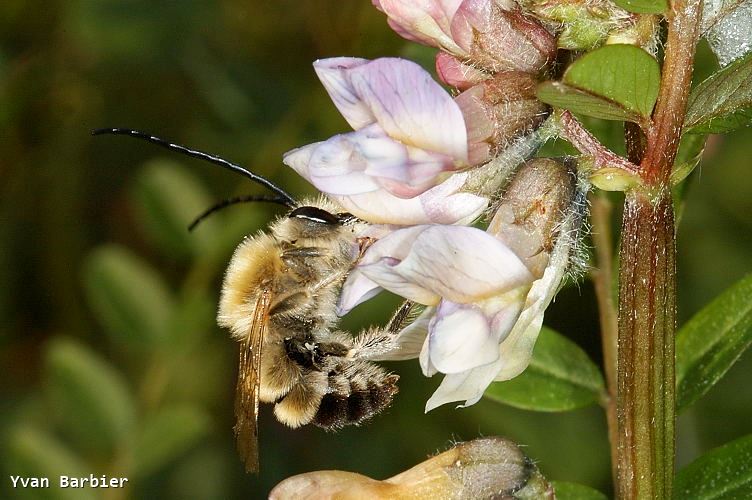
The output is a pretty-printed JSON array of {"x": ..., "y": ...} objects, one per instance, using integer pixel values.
[
  {"x": 415, "y": 167},
  {"x": 486, "y": 292}
]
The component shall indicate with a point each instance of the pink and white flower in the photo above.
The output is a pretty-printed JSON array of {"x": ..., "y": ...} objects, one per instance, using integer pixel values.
[
  {"x": 423, "y": 21},
  {"x": 486, "y": 292},
  {"x": 399, "y": 164},
  {"x": 490, "y": 35}
]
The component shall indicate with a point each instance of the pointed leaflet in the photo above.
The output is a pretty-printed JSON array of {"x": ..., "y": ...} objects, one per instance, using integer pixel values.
[
  {"x": 31, "y": 452},
  {"x": 712, "y": 341},
  {"x": 723, "y": 102},
  {"x": 722, "y": 473},
  {"x": 614, "y": 82},
  {"x": 88, "y": 396},
  {"x": 560, "y": 377},
  {"x": 128, "y": 296}
]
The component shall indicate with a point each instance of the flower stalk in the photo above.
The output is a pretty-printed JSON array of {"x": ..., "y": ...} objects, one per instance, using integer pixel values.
[{"x": 647, "y": 281}]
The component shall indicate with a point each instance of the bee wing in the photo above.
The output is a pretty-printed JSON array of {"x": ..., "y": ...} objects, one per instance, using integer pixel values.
[{"x": 247, "y": 392}]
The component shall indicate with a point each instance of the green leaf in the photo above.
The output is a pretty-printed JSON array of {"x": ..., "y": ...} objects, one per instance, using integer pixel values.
[
  {"x": 167, "y": 198},
  {"x": 129, "y": 297},
  {"x": 709, "y": 344},
  {"x": 31, "y": 452},
  {"x": 88, "y": 396},
  {"x": 614, "y": 82},
  {"x": 574, "y": 491},
  {"x": 560, "y": 377},
  {"x": 723, "y": 102},
  {"x": 565, "y": 96},
  {"x": 722, "y": 473},
  {"x": 166, "y": 436},
  {"x": 643, "y": 6}
]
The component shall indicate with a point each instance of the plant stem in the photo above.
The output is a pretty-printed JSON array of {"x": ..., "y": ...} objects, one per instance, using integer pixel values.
[
  {"x": 647, "y": 281},
  {"x": 602, "y": 277},
  {"x": 647, "y": 311}
]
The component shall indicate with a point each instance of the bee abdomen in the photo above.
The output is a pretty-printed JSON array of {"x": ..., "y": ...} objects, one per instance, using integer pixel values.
[{"x": 355, "y": 395}]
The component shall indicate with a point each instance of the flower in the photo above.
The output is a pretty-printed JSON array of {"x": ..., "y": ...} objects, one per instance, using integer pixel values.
[
  {"x": 497, "y": 36},
  {"x": 491, "y": 35},
  {"x": 410, "y": 135},
  {"x": 467, "y": 470},
  {"x": 486, "y": 291},
  {"x": 499, "y": 110},
  {"x": 423, "y": 21}
]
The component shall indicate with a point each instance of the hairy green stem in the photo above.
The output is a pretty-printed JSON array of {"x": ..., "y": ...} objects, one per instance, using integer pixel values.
[
  {"x": 647, "y": 281},
  {"x": 647, "y": 312}
]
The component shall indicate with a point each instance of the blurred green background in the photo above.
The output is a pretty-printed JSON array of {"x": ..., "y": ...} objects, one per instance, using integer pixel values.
[{"x": 111, "y": 360}]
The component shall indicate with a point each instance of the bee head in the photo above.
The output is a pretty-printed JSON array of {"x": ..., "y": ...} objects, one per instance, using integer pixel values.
[{"x": 315, "y": 221}]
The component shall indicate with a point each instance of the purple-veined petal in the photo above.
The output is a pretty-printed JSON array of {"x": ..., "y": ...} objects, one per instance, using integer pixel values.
[
  {"x": 333, "y": 166},
  {"x": 333, "y": 73},
  {"x": 442, "y": 204},
  {"x": 460, "y": 338},
  {"x": 381, "y": 260},
  {"x": 401, "y": 97},
  {"x": 461, "y": 264},
  {"x": 468, "y": 386},
  {"x": 423, "y": 21},
  {"x": 411, "y": 107},
  {"x": 367, "y": 160}
]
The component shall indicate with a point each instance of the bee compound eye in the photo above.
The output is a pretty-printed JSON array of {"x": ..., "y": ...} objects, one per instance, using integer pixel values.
[{"x": 315, "y": 214}]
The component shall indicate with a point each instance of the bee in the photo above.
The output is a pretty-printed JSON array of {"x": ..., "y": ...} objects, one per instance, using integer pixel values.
[{"x": 278, "y": 300}]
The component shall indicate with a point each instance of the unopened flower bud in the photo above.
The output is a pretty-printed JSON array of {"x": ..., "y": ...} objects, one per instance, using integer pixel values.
[
  {"x": 483, "y": 468},
  {"x": 497, "y": 37},
  {"x": 425, "y": 22},
  {"x": 530, "y": 212},
  {"x": 457, "y": 73},
  {"x": 498, "y": 111},
  {"x": 584, "y": 24}
]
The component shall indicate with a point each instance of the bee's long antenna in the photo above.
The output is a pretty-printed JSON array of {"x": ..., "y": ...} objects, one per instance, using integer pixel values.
[
  {"x": 233, "y": 201},
  {"x": 285, "y": 198}
]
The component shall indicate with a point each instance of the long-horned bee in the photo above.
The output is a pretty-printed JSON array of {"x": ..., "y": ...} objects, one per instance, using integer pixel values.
[{"x": 278, "y": 300}]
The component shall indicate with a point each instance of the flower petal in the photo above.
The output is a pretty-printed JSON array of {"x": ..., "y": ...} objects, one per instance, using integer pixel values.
[
  {"x": 468, "y": 386},
  {"x": 454, "y": 72},
  {"x": 460, "y": 338},
  {"x": 425, "y": 361},
  {"x": 367, "y": 160},
  {"x": 517, "y": 348},
  {"x": 410, "y": 106},
  {"x": 462, "y": 264},
  {"x": 333, "y": 73},
  {"x": 333, "y": 166},
  {"x": 357, "y": 289},
  {"x": 442, "y": 204},
  {"x": 423, "y": 21}
]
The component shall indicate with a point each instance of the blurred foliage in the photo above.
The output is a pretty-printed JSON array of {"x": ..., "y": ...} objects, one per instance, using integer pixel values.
[{"x": 111, "y": 360}]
